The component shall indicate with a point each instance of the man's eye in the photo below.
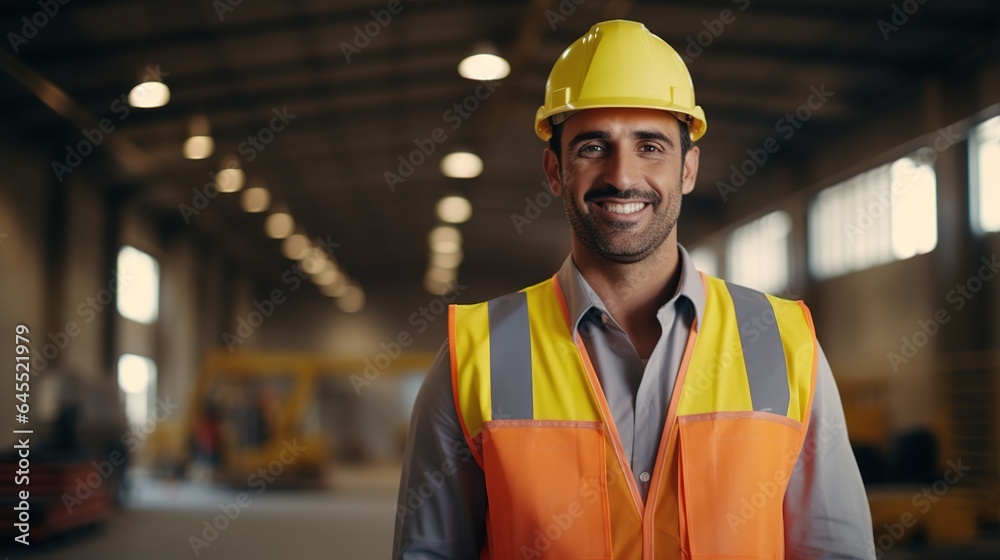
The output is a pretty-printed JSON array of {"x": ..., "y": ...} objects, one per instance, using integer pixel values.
[
  {"x": 592, "y": 149},
  {"x": 649, "y": 148}
]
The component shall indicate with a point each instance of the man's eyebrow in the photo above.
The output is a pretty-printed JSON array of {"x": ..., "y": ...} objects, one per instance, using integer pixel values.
[
  {"x": 589, "y": 135},
  {"x": 652, "y": 135}
]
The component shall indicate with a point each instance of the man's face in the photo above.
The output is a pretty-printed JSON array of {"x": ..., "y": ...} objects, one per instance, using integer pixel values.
[{"x": 621, "y": 179}]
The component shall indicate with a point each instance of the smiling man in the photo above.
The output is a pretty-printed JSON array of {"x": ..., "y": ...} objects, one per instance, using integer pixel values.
[{"x": 629, "y": 407}]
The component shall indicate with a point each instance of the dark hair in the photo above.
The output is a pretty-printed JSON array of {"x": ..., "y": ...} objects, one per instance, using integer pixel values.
[{"x": 555, "y": 143}]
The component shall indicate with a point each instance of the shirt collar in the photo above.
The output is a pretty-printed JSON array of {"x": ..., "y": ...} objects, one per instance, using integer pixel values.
[{"x": 581, "y": 298}]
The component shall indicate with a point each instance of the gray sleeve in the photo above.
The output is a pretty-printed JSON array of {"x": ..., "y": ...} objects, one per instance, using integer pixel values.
[
  {"x": 826, "y": 509},
  {"x": 441, "y": 509}
]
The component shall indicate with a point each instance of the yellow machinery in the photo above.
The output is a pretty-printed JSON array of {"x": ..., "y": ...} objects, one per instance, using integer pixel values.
[
  {"x": 285, "y": 385},
  {"x": 951, "y": 509}
]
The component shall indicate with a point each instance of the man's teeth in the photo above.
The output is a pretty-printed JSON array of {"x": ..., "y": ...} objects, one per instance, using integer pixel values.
[{"x": 624, "y": 208}]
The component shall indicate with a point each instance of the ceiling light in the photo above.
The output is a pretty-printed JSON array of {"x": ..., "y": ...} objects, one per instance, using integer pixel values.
[
  {"x": 461, "y": 165},
  {"x": 311, "y": 265},
  {"x": 446, "y": 275},
  {"x": 279, "y": 225},
  {"x": 256, "y": 199},
  {"x": 352, "y": 299},
  {"x": 446, "y": 246},
  {"x": 230, "y": 178},
  {"x": 454, "y": 209},
  {"x": 446, "y": 260},
  {"x": 199, "y": 144},
  {"x": 445, "y": 239},
  {"x": 336, "y": 289},
  {"x": 435, "y": 287},
  {"x": 484, "y": 64},
  {"x": 326, "y": 277},
  {"x": 198, "y": 147},
  {"x": 295, "y": 246},
  {"x": 319, "y": 254},
  {"x": 314, "y": 261},
  {"x": 149, "y": 94}
]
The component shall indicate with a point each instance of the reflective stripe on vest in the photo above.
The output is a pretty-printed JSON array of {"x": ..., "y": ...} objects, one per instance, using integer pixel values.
[{"x": 558, "y": 479}]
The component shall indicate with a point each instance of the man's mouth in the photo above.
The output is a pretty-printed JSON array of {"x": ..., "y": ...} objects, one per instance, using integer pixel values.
[{"x": 623, "y": 208}]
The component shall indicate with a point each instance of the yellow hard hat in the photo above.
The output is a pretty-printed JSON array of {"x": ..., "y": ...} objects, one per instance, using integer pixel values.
[{"x": 619, "y": 63}]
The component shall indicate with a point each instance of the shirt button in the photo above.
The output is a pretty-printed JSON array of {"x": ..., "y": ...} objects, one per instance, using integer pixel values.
[{"x": 644, "y": 476}]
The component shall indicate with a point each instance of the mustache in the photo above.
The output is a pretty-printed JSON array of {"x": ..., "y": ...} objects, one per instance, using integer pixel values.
[{"x": 610, "y": 191}]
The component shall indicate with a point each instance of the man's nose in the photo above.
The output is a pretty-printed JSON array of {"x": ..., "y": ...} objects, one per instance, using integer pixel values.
[{"x": 622, "y": 170}]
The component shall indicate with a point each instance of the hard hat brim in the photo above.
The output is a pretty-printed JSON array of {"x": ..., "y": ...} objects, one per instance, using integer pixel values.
[{"x": 696, "y": 122}]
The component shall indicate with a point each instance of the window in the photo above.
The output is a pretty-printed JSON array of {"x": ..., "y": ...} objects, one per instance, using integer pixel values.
[
  {"x": 758, "y": 253},
  {"x": 705, "y": 261},
  {"x": 984, "y": 175},
  {"x": 137, "y": 378},
  {"x": 882, "y": 215},
  {"x": 138, "y": 285}
]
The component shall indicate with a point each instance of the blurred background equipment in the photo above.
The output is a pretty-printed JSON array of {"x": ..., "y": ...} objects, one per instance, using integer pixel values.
[
  {"x": 249, "y": 408},
  {"x": 78, "y": 457}
]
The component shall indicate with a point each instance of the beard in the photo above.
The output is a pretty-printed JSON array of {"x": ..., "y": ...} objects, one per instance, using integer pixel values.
[{"x": 625, "y": 242}]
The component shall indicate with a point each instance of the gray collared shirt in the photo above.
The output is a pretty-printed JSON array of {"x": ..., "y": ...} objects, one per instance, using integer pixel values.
[{"x": 441, "y": 510}]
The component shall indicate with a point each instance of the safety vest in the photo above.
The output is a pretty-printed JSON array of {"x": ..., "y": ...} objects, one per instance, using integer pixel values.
[{"x": 558, "y": 482}]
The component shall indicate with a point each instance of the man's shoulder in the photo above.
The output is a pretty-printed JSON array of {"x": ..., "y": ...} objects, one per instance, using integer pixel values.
[
  {"x": 510, "y": 296},
  {"x": 783, "y": 297}
]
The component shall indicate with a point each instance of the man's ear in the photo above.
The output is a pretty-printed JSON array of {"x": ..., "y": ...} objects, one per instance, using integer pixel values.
[
  {"x": 690, "y": 170},
  {"x": 550, "y": 163}
]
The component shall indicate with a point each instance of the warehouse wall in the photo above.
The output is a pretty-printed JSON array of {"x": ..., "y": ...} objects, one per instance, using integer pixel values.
[
  {"x": 23, "y": 196},
  {"x": 57, "y": 275},
  {"x": 861, "y": 317}
]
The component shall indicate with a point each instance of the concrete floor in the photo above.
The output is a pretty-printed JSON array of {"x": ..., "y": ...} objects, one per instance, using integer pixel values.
[{"x": 352, "y": 522}]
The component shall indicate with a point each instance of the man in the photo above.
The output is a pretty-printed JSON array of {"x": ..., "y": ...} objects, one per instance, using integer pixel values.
[{"x": 629, "y": 407}]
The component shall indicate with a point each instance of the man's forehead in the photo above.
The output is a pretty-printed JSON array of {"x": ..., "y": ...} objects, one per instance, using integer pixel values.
[{"x": 621, "y": 120}]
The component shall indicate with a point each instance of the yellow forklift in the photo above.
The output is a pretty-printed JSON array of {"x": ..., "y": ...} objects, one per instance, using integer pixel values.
[
  {"x": 939, "y": 483},
  {"x": 253, "y": 417}
]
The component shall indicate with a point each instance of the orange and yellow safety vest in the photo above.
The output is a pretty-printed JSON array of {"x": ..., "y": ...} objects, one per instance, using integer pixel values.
[{"x": 558, "y": 481}]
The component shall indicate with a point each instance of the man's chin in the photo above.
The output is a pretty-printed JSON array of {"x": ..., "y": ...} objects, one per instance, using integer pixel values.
[{"x": 623, "y": 255}]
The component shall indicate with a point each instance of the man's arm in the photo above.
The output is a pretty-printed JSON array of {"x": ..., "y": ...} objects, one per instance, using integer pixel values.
[
  {"x": 826, "y": 509},
  {"x": 441, "y": 509}
]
